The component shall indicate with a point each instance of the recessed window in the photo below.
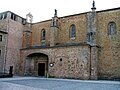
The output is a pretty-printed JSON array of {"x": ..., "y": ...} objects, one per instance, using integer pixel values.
[
  {"x": 5, "y": 15},
  {"x": 43, "y": 34},
  {"x": 72, "y": 31},
  {"x": 112, "y": 28},
  {"x": 13, "y": 17},
  {"x": 0, "y": 53},
  {"x": 0, "y": 38},
  {"x": 1, "y": 16}
]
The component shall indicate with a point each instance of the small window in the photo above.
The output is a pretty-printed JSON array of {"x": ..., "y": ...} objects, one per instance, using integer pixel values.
[
  {"x": 5, "y": 15},
  {"x": 0, "y": 53},
  {"x": 12, "y": 16},
  {"x": 1, "y": 16},
  {"x": 23, "y": 21},
  {"x": 0, "y": 38},
  {"x": 15, "y": 18},
  {"x": 111, "y": 28},
  {"x": 43, "y": 34},
  {"x": 72, "y": 31}
]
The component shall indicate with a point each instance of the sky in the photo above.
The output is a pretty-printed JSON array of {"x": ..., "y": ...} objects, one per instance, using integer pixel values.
[{"x": 44, "y": 9}]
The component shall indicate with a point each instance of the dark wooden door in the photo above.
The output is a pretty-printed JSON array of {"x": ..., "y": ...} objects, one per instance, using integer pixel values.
[{"x": 41, "y": 69}]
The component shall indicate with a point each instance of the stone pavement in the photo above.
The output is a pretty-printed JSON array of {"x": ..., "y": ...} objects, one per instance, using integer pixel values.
[{"x": 37, "y": 83}]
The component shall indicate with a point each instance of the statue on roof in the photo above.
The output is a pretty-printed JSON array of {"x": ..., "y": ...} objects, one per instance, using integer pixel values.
[
  {"x": 55, "y": 13},
  {"x": 93, "y": 5},
  {"x": 29, "y": 17}
]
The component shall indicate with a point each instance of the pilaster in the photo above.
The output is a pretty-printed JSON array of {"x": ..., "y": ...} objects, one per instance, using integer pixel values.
[
  {"x": 54, "y": 30},
  {"x": 91, "y": 40}
]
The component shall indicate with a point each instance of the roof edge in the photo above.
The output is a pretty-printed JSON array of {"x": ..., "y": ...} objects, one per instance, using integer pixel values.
[
  {"x": 118, "y": 8},
  {"x": 14, "y": 13}
]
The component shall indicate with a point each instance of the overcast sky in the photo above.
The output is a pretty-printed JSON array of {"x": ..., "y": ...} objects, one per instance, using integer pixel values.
[{"x": 44, "y": 9}]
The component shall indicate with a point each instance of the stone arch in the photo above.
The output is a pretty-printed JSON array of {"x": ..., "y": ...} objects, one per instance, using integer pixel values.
[
  {"x": 36, "y": 64},
  {"x": 37, "y": 51}
]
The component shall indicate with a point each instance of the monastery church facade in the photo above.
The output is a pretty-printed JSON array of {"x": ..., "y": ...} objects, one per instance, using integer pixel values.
[{"x": 80, "y": 46}]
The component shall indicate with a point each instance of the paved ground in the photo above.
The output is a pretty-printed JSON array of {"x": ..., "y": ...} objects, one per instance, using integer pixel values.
[{"x": 37, "y": 83}]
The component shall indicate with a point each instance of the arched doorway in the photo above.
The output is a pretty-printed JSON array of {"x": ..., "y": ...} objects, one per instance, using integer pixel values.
[{"x": 36, "y": 65}]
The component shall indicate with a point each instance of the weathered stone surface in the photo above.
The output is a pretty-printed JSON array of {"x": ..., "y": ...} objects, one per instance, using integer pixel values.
[
  {"x": 14, "y": 45},
  {"x": 12, "y": 28},
  {"x": 71, "y": 57},
  {"x": 70, "y": 62},
  {"x": 109, "y": 54}
]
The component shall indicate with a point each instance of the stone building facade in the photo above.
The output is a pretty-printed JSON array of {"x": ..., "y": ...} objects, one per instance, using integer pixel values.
[
  {"x": 11, "y": 32},
  {"x": 82, "y": 46}
]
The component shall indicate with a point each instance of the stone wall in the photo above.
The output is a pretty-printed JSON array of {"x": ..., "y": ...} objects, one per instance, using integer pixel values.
[
  {"x": 68, "y": 55},
  {"x": 63, "y": 30},
  {"x": 14, "y": 44},
  {"x": 3, "y": 25},
  {"x": 105, "y": 58},
  {"x": 36, "y": 33},
  {"x": 109, "y": 51},
  {"x": 11, "y": 25},
  {"x": 3, "y": 51},
  {"x": 69, "y": 62},
  {"x": 3, "y": 43},
  {"x": 80, "y": 21}
]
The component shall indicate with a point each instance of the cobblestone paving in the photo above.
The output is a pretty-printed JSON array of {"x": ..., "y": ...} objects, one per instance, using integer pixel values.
[{"x": 35, "y": 83}]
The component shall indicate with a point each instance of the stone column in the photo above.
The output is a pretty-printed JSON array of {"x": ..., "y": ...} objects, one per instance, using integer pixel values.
[
  {"x": 91, "y": 40},
  {"x": 93, "y": 62}
]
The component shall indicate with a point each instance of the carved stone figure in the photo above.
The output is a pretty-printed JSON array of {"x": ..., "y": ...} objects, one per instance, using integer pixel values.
[
  {"x": 93, "y": 4},
  {"x": 55, "y": 13},
  {"x": 29, "y": 17}
]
